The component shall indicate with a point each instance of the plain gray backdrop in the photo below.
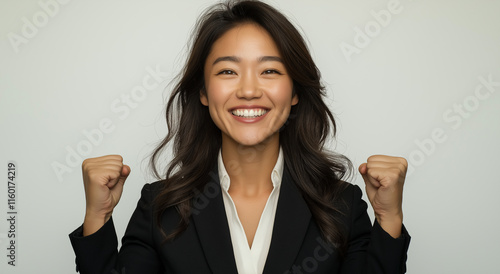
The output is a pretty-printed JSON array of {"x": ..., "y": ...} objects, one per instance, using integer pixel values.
[{"x": 418, "y": 79}]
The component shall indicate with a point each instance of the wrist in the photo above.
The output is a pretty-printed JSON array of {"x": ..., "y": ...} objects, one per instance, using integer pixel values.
[
  {"x": 392, "y": 224},
  {"x": 97, "y": 214},
  {"x": 390, "y": 217},
  {"x": 93, "y": 222}
]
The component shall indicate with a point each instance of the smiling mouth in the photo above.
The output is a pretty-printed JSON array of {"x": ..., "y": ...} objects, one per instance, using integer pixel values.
[{"x": 249, "y": 113}]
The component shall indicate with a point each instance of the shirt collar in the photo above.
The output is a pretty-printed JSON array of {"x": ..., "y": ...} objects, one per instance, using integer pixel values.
[{"x": 276, "y": 174}]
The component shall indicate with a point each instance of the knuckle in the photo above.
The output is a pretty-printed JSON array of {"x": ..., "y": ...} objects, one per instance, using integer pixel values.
[
  {"x": 91, "y": 173},
  {"x": 404, "y": 168},
  {"x": 85, "y": 163},
  {"x": 116, "y": 157},
  {"x": 403, "y": 161}
]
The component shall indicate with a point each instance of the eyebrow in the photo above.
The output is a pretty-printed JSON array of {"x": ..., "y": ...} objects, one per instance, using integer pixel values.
[{"x": 237, "y": 59}]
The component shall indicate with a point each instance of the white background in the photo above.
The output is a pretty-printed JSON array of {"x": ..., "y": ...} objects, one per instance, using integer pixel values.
[{"x": 404, "y": 83}]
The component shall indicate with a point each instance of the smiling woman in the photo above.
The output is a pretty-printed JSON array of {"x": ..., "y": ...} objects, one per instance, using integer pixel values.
[
  {"x": 247, "y": 87},
  {"x": 251, "y": 188}
]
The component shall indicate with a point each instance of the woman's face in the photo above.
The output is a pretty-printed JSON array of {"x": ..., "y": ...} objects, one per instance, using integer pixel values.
[{"x": 247, "y": 88}]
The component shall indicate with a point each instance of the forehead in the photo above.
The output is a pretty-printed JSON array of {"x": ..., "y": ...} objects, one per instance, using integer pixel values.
[{"x": 247, "y": 39}]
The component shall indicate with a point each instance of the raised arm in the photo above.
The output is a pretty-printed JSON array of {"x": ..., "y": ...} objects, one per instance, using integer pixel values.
[
  {"x": 384, "y": 177},
  {"x": 103, "y": 179}
]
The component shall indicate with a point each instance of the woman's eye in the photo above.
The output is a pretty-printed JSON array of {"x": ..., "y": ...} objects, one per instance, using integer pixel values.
[
  {"x": 226, "y": 72},
  {"x": 271, "y": 71}
]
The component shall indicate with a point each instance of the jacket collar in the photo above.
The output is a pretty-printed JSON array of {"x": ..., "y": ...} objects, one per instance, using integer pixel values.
[
  {"x": 290, "y": 226},
  {"x": 209, "y": 218}
]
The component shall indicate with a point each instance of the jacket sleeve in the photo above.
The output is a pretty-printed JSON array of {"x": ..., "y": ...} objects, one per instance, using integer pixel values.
[
  {"x": 97, "y": 253},
  {"x": 371, "y": 250}
]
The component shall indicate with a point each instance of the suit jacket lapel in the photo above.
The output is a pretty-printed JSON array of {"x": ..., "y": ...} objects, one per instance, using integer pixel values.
[
  {"x": 290, "y": 226},
  {"x": 209, "y": 217}
]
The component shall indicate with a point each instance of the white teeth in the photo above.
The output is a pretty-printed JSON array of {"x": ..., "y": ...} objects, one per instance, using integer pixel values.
[{"x": 246, "y": 113}]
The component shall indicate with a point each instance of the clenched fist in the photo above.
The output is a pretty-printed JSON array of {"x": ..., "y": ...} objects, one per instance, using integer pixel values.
[
  {"x": 103, "y": 179},
  {"x": 384, "y": 177}
]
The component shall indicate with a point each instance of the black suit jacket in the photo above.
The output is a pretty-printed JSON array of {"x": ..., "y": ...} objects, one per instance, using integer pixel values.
[{"x": 205, "y": 246}]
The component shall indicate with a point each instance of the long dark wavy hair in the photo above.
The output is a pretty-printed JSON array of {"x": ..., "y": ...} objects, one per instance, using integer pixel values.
[{"x": 317, "y": 172}]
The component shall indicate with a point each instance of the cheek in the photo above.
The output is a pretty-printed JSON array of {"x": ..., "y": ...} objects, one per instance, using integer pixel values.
[
  {"x": 217, "y": 97},
  {"x": 216, "y": 94},
  {"x": 283, "y": 95}
]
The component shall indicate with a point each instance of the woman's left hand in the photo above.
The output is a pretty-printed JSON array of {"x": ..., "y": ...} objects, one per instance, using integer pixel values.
[{"x": 384, "y": 177}]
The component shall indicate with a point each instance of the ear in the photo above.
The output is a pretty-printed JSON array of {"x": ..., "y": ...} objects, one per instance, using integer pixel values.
[
  {"x": 295, "y": 99},
  {"x": 203, "y": 97}
]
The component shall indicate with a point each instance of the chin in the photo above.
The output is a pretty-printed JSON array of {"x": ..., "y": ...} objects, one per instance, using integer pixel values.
[
  {"x": 249, "y": 142},
  {"x": 254, "y": 140},
  {"x": 251, "y": 137}
]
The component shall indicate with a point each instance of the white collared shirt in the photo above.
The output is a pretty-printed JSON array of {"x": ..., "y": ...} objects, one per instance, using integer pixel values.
[{"x": 251, "y": 260}]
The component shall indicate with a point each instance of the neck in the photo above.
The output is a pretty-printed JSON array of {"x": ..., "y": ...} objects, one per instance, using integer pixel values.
[{"x": 250, "y": 167}]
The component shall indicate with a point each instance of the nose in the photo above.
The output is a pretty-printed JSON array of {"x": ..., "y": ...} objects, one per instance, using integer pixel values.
[{"x": 249, "y": 87}]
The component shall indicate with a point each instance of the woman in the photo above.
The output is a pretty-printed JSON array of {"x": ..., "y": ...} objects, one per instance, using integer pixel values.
[{"x": 250, "y": 188}]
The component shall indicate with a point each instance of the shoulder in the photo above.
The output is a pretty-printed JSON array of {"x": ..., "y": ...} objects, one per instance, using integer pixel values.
[
  {"x": 149, "y": 193},
  {"x": 152, "y": 189},
  {"x": 350, "y": 202},
  {"x": 350, "y": 192},
  {"x": 151, "y": 206}
]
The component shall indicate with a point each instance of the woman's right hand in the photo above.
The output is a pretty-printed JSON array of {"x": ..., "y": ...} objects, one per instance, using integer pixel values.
[{"x": 103, "y": 179}]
